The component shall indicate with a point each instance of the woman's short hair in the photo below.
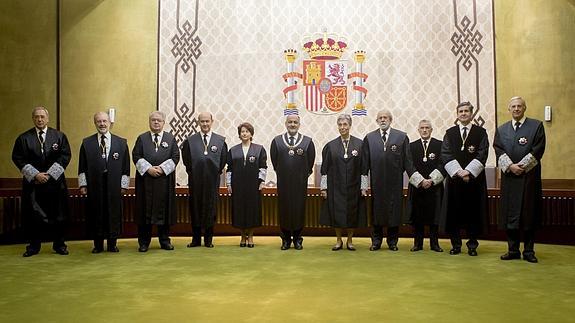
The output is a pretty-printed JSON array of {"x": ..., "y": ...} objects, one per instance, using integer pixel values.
[{"x": 246, "y": 125}]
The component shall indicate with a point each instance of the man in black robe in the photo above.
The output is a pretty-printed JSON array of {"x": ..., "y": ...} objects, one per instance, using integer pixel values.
[
  {"x": 519, "y": 145},
  {"x": 104, "y": 175},
  {"x": 340, "y": 184},
  {"x": 156, "y": 155},
  {"x": 42, "y": 154},
  {"x": 204, "y": 155},
  {"x": 464, "y": 152},
  {"x": 424, "y": 200},
  {"x": 385, "y": 156},
  {"x": 292, "y": 156}
]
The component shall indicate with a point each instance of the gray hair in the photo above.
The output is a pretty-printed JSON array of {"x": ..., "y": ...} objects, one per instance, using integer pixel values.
[
  {"x": 517, "y": 98},
  {"x": 344, "y": 116},
  {"x": 40, "y": 108},
  {"x": 386, "y": 111},
  {"x": 160, "y": 113},
  {"x": 425, "y": 121},
  {"x": 101, "y": 112}
]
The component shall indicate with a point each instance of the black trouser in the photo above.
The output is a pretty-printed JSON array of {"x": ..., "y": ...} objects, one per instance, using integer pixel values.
[
  {"x": 456, "y": 242},
  {"x": 99, "y": 242},
  {"x": 419, "y": 230},
  {"x": 513, "y": 241},
  {"x": 377, "y": 235},
  {"x": 38, "y": 229},
  {"x": 290, "y": 235},
  {"x": 197, "y": 235},
  {"x": 145, "y": 234}
]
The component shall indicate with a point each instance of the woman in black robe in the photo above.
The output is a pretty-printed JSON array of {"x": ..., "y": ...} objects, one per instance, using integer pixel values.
[{"x": 245, "y": 177}]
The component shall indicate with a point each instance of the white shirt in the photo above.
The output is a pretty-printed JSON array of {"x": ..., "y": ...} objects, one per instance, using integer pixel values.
[
  {"x": 160, "y": 135},
  {"x": 209, "y": 135},
  {"x": 468, "y": 126},
  {"x": 513, "y": 122},
  {"x": 107, "y": 139}
]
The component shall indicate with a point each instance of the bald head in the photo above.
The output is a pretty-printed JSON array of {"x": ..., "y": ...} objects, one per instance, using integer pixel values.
[
  {"x": 205, "y": 119},
  {"x": 102, "y": 122}
]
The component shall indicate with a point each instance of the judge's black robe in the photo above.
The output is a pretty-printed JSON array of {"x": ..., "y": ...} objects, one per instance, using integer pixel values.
[
  {"x": 292, "y": 172},
  {"x": 156, "y": 196},
  {"x": 465, "y": 204},
  {"x": 246, "y": 196},
  {"x": 424, "y": 205},
  {"x": 521, "y": 196},
  {"x": 386, "y": 174},
  {"x": 104, "y": 179},
  {"x": 344, "y": 206},
  {"x": 204, "y": 176},
  {"x": 43, "y": 203}
]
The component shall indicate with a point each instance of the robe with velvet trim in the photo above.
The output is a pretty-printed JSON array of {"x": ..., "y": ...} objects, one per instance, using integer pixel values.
[
  {"x": 424, "y": 205},
  {"x": 292, "y": 174},
  {"x": 344, "y": 206},
  {"x": 246, "y": 196},
  {"x": 386, "y": 174},
  {"x": 104, "y": 222},
  {"x": 465, "y": 204},
  {"x": 47, "y": 202},
  {"x": 156, "y": 196},
  {"x": 204, "y": 176},
  {"x": 521, "y": 196}
]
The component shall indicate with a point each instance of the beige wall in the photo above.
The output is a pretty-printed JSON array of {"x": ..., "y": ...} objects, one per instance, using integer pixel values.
[
  {"x": 109, "y": 59},
  {"x": 535, "y": 57},
  {"x": 109, "y": 51},
  {"x": 27, "y": 69}
]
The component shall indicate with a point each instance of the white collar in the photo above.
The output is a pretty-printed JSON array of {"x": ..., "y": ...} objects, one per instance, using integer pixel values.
[
  {"x": 522, "y": 121},
  {"x": 38, "y": 130},
  {"x": 388, "y": 131},
  {"x": 468, "y": 126}
]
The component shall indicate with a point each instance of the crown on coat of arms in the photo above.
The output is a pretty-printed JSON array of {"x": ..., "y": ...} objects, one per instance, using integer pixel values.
[{"x": 325, "y": 48}]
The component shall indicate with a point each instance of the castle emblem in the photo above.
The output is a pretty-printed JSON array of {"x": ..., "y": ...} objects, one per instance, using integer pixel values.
[{"x": 325, "y": 77}]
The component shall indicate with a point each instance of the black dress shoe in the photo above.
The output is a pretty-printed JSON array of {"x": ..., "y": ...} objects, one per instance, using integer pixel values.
[
  {"x": 393, "y": 248},
  {"x": 510, "y": 256},
  {"x": 208, "y": 245},
  {"x": 436, "y": 249},
  {"x": 349, "y": 246},
  {"x": 455, "y": 251},
  {"x": 530, "y": 258},
  {"x": 337, "y": 247},
  {"x": 374, "y": 247},
  {"x": 298, "y": 244},
  {"x": 285, "y": 245},
  {"x": 243, "y": 244},
  {"x": 97, "y": 250},
  {"x": 416, "y": 248},
  {"x": 167, "y": 246},
  {"x": 143, "y": 249},
  {"x": 193, "y": 244},
  {"x": 62, "y": 250},
  {"x": 113, "y": 249},
  {"x": 472, "y": 252},
  {"x": 30, "y": 252},
  {"x": 251, "y": 245}
]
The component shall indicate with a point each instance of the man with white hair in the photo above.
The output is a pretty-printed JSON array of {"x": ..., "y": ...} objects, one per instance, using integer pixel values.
[
  {"x": 519, "y": 145},
  {"x": 42, "y": 154},
  {"x": 104, "y": 175},
  {"x": 156, "y": 154},
  {"x": 385, "y": 156}
]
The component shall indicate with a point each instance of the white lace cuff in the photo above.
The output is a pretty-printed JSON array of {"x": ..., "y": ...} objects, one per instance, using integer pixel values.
[
  {"x": 168, "y": 167},
  {"x": 142, "y": 166},
  {"x": 263, "y": 174},
  {"x": 504, "y": 163},
  {"x": 364, "y": 182},
  {"x": 228, "y": 178},
  {"x": 528, "y": 162},
  {"x": 475, "y": 167},
  {"x": 416, "y": 179},
  {"x": 323, "y": 183},
  {"x": 452, "y": 167},
  {"x": 55, "y": 171},
  {"x": 436, "y": 177},
  {"x": 29, "y": 172},
  {"x": 125, "y": 182},
  {"x": 82, "y": 180}
]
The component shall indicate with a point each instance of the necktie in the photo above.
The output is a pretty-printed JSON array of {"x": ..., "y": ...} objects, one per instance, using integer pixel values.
[
  {"x": 425, "y": 145},
  {"x": 384, "y": 137},
  {"x": 464, "y": 136},
  {"x": 346, "y": 142},
  {"x": 41, "y": 137},
  {"x": 291, "y": 140},
  {"x": 156, "y": 140},
  {"x": 517, "y": 125},
  {"x": 103, "y": 146},
  {"x": 205, "y": 139}
]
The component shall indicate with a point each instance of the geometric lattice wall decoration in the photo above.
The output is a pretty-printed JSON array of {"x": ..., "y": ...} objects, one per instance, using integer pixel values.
[{"x": 226, "y": 57}]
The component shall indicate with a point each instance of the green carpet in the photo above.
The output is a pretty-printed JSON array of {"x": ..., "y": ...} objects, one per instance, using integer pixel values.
[{"x": 265, "y": 284}]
